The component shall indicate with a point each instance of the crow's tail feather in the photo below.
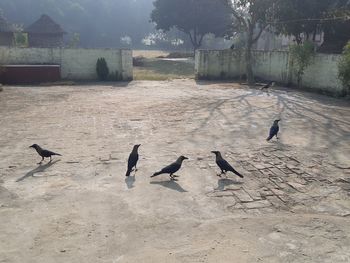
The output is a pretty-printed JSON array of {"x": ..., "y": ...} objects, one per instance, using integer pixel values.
[
  {"x": 128, "y": 172},
  {"x": 155, "y": 174},
  {"x": 237, "y": 173},
  {"x": 57, "y": 154},
  {"x": 269, "y": 138}
]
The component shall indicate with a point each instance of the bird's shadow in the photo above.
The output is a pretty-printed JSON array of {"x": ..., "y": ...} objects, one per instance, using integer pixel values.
[
  {"x": 173, "y": 185},
  {"x": 129, "y": 181},
  {"x": 277, "y": 142},
  {"x": 223, "y": 182},
  {"x": 39, "y": 169}
]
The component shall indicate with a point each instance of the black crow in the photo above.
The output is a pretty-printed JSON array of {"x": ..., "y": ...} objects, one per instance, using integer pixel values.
[
  {"x": 268, "y": 85},
  {"x": 172, "y": 168},
  {"x": 224, "y": 165},
  {"x": 43, "y": 153},
  {"x": 133, "y": 158},
  {"x": 274, "y": 130}
]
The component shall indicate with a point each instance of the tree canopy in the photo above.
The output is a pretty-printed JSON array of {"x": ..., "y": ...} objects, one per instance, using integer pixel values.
[
  {"x": 306, "y": 18},
  {"x": 99, "y": 23},
  {"x": 196, "y": 18}
]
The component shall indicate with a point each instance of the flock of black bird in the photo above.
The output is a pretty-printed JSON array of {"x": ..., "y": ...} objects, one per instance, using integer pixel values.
[{"x": 173, "y": 167}]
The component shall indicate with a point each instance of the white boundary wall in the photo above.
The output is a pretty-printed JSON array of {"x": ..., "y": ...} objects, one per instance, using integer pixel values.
[
  {"x": 76, "y": 64},
  {"x": 321, "y": 75}
]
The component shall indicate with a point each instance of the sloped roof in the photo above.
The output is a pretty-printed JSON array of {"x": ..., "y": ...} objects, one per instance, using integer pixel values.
[
  {"x": 4, "y": 25},
  {"x": 45, "y": 25}
]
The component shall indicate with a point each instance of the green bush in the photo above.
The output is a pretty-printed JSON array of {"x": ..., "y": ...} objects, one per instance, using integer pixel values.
[
  {"x": 344, "y": 67},
  {"x": 102, "y": 69},
  {"x": 302, "y": 57}
]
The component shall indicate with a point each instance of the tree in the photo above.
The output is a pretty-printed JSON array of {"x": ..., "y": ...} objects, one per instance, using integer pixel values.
[
  {"x": 301, "y": 55},
  {"x": 112, "y": 19},
  {"x": 337, "y": 29},
  {"x": 252, "y": 18},
  {"x": 74, "y": 41},
  {"x": 304, "y": 19},
  {"x": 299, "y": 17},
  {"x": 196, "y": 18}
]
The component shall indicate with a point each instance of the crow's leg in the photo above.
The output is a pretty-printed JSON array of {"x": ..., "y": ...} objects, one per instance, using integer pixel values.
[
  {"x": 136, "y": 169},
  {"x": 42, "y": 159},
  {"x": 50, "y": 159},
  {"x": 277, "y": 136},
  {"x": 175, "y": 176}
]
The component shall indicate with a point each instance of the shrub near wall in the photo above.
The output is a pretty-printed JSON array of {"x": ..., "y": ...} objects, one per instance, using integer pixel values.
[
  {"x": 344, "y": 68},
  {"x": 301, "y": 56},
  {"x": 102, "y": 69}
]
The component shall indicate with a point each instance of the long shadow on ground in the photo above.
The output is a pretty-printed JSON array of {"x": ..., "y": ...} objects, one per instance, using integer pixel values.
[
  {"x": 222, "y": 183},
  {"x": 39, "y": 169},
  {"x": 171, "y": 185},
  {"x": 129, "y": 181}
]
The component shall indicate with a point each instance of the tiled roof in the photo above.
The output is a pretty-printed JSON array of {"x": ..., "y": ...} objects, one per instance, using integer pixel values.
[{"x": 45, "y": 25}]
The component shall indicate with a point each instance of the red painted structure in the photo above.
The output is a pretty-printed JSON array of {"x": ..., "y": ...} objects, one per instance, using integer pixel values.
[{"x": 29, "y": 74}]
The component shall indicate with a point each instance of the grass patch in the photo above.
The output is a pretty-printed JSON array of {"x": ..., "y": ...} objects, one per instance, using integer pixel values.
[
  {"x": 149, "y": 53},
  {"x": 156, "y": 69},
  {"x": 58, "y": 83},
  {"x": 179, "y": 55}
]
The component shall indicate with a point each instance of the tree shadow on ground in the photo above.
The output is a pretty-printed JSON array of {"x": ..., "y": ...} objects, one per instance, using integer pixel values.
[
  {"x": 321, "y": 114},
  {"x": 214, "y": 108},
  {"x": 39, "y": 169},
  {"x": 319, "y": 118},
  {"x": 171, "y": 185}
]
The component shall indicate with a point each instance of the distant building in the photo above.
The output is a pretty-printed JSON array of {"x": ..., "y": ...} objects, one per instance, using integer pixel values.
[
  {"x": 6, "y": 32},
  {"x": 45, "y": 33}
]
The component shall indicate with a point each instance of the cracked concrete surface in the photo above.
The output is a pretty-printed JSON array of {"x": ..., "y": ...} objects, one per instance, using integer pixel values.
[{"x": 292, "y": 206}]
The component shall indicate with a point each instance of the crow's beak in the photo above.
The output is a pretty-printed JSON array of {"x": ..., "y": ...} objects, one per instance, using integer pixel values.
[{"x": 185, "y": 158}]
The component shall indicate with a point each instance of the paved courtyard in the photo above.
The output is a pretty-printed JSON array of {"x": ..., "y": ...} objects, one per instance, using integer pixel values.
[{"x": 292, "y": 206}]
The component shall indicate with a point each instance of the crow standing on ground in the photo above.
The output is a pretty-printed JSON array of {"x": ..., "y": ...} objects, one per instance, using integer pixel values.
[
  {"x": 224, "y": 165},
  {"x": 172, "y": 168},
  {"x": 133, "y": 158},
  {"x": 268, "y": 85},
  {"x": 274, "y": 130},
  {"x": 43, "y": 153}
]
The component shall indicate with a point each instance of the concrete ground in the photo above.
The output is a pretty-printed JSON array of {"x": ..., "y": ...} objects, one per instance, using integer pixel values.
[{"x": 292, "y": 206}]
